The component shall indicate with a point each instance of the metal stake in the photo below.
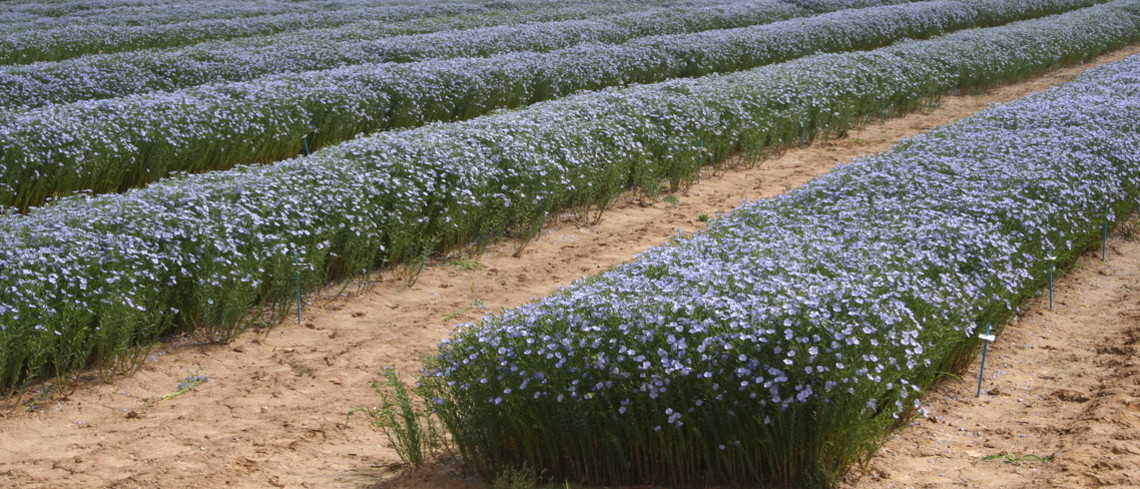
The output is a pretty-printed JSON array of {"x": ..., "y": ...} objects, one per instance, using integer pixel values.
[
  {"x": 701, "y": 167},
  {"x": 297, "y": 274},
  {"x": 1052, "y": 267},
  {"x": 986, "y": 339},
  {"x": 1104, "y": 242}
]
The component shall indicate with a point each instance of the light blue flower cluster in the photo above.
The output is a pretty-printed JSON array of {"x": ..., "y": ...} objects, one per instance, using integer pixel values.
[
  {"x": 85, "y": 278},
  {"x": 779, "y": 345},
  {"x": 119, "y": 143}
]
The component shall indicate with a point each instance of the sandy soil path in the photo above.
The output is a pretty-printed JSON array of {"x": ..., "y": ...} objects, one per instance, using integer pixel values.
[{"x": 273, "y": 412}]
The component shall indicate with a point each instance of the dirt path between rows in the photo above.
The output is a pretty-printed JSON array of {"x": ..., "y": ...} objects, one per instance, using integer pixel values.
[{"x": 273, "y": 412}]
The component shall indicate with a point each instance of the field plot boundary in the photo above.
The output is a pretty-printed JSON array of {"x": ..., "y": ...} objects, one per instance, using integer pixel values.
[{"x": 232, "y": 453}]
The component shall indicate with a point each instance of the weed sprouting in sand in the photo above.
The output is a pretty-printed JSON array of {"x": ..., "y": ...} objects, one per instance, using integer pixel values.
[{"x": 410, "y": 426}]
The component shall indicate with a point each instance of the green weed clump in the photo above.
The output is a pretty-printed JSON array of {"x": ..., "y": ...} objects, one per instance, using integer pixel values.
[{"x": 411, "y": 429}]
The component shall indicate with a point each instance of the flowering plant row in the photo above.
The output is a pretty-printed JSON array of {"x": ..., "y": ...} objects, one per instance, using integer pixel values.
[
  {"x": 85, "y": 279},
  {"x": 37, "y": 15},
  {"x": 114, "y": 75},
  {"x": 777, "y": 347},
  {"x": 72, "y": 39},
  {"x": 64, "y": 31},
  {"x": 115, "y": 144}
]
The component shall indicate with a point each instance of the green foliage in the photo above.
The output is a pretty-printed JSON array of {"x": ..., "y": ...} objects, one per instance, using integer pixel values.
[{"x": 523, "y": 477}]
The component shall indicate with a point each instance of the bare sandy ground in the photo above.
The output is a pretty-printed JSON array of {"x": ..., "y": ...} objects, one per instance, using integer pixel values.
[{"x": 273, "y": 412}]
